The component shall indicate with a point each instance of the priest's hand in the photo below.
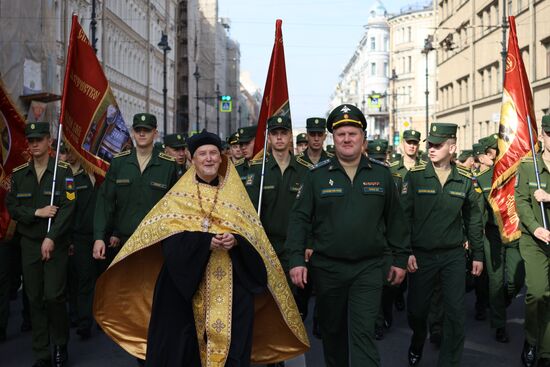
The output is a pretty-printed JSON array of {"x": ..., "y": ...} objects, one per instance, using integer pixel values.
[
  {"x": 47, "y": 249},
  {"x": 225, "y": 241},
  {"x": 99, "y": 250},
  {"x": 298, "y": 275}
]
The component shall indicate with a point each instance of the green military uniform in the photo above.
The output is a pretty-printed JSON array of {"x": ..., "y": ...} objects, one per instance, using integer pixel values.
[
  {"x": 503, "y": 263},
  {"x": 83, "y": 242},
  {"x": 279, "y": 192},
  {"x": 8, "y": 250},
  {"x": 330, "y": 149},
  {"x": 377, "y": 149},
  {"x": 45, "y": 282},
  {"x": 438, "y": 215},
  {"x": 395, "y": 157},
  {"x": 246, "y": 134},
  {"x": 127, "y": 194},
  {"x": 176, "y": 141},
  {"x": 350, "y": 224},
  {"x": 535, "y": 253}
]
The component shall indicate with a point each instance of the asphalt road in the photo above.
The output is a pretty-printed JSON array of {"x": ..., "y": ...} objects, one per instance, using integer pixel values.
[{"x": 480, "y": 348}]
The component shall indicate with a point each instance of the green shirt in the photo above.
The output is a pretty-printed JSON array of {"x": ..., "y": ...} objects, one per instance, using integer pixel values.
[
  {"x": 27, "y": 195},
  {"x": 83, "y": 218},
  {"x": 528, "y": 208},
  {"x": 304, "y": 159},
  {"x": 484, "y": 181},
  {"x": 348, "y": 220},
  {"x": 399, "y": 171},
  {"x": 242, "y": 166},
  {"x": 279, "y": 194},
  {"x": 438, "y": 216},
  {"x": 127, "y": 194}
]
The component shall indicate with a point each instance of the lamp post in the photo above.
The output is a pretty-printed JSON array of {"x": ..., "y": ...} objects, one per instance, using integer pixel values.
[
  {"x": 163, "y": 45},
  {"x": 426, "y": 50},
  {"x": 393, "y": 79},
  {"x": 217, "y": 104},
  {"x": 197, "y": 76},
  {"x": 93, "y": 24}
]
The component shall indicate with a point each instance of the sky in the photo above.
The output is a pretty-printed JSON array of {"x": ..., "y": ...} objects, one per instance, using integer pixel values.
[{"x": 320, "y": 36}]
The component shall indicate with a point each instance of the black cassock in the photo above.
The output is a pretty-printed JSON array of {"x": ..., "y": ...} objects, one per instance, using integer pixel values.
[{"x": 172, "y": 337}]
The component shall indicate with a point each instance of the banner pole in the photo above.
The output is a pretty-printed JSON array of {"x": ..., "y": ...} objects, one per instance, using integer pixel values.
[
  {"x": 536, "y": 170},
  {"x": 263, "y": 174}
]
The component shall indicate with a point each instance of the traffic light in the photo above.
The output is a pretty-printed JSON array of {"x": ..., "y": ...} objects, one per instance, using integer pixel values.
[{"x": 226, "y": 104}]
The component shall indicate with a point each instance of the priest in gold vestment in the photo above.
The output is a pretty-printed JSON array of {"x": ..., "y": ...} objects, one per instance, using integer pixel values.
[{"x": 198, "y": 283}]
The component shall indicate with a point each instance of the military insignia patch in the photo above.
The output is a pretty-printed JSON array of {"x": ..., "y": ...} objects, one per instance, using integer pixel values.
[
  {"x": 70, "y": 195},
  {"x": 330, "y": 182},
  {"x": 249, "y": 180},
  {"x": 405, "y": 188},
  {"x": 69, "y": 183}
]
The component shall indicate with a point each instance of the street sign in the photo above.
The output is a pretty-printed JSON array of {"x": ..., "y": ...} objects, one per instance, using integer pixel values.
[{"x": 226, "y": 104}]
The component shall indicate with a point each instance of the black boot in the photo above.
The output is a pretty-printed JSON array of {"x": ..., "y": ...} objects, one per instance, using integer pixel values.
[
  {"x": 529, "y": 354},
  {"x": 60, "y": 356},
  {"x": 378, "y": 333},
  {"x": 414, "y": 356}
]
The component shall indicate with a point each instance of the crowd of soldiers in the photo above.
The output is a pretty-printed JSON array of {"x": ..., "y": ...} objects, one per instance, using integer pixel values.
[{"x": 361, "y": 227}]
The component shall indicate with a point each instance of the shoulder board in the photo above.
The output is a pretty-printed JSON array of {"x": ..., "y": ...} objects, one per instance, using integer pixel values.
[
  {"x": 80, "y": 171},
  {"x": 255, "y": 162},
  {"x": 482, "y": 172},
  {"x": 63, "y": 164},
  {"x": 527, "y": 159},
  {"x": 299, "y": 155},
  {"x": 395, "y": 174},
  {"x": 330, "y": 155},
  {"x": 422, "y": 161},
  {"x": 20, "y": 167},
  {"x": 393, "y": 164},
  {"x": 166, "y": 157},
  {"x": 122, "y": 154},
  {"x": 378, "y": 162},
  {"x": 463, "y": 172},
  {"x": 320, "y": 164},
  {"x": 418, "y": 167},
  {"x": 303, "y": 162},
  {"x": 239, "y": 162}
]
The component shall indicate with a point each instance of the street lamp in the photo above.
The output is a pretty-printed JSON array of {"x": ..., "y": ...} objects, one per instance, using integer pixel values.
[
  {"x": 163, "y": 45},
  {"x": 393, "y": 79},
  {"x": 197, "y": 76},
  {"x": 426, "y": 50}
]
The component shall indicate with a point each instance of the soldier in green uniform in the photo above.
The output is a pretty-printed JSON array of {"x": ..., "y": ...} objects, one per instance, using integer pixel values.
[
  {"x": 395, "y": 157},
  {"x": 377, "y": 149},
  {"x": 247, "y": 138},
  {"x": 44, "y": 252},
  {"x": 136, "y": 180},
  {"x": 316, "y": 135},
  {"x": 175, "y": 146},
  {"x": 330, "y": 149},
  {"x": 301, "y": 143},
  {"x": 466, "y": 159},
  {"x": 535, "y": 251},
  {"x": 439, "y": 200},
  {"x": 503, "y": 263},
  {"x": 349, "y": 207},
  {"x": 234, "y": 147}
]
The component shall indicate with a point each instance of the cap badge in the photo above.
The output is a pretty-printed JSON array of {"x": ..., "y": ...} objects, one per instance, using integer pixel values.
[
  {"x": 316, "y": 121},
  {"x": 345, "y": 109},
  {"x": 377, "y": 149},
  {"x": 179, "y": 137},
  {"x": 346, "y": 115},
  {"x": 330, "y": 182},
  {"x": 413, "y": 132},
  {"x": 142, "y": 117},
  {"x": 241, "y": 131},
  {"x": 279, "y": 120},
  {"x": 33, "y": 126},
  {"x": 434, "y": 128}
]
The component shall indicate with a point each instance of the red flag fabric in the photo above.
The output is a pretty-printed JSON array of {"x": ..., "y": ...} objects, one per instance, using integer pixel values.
[
  {"x": 514, "y": 142},
  {"x": 92, "y": 123},
  {"x": 14, "y": 153},
  {"x": 275, "y": 99}
]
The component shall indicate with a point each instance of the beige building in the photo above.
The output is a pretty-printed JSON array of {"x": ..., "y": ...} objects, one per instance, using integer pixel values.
[
  {"x": 408, "y": 30},
  {"x": 469, "y": 61}
]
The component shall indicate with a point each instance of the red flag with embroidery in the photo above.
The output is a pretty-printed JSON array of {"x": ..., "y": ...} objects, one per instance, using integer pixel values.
[
  {"x": 275, "y": 99},
  {"x": 14, "y": 153},
  {"x": 513, "y": 142},
  {"x": 92, "y": 123}
]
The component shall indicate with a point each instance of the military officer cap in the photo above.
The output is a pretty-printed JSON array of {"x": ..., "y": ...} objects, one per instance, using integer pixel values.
[
  {"x": 145, "y": 120},
  {"x": 441, "y": 131},
  {"x": 546, "y": 123},
  {"x": 478, "y": 149},
  {"x": 330, "y": 148},
  {"x": 465, "y": 154},
  {"x": 316, "y": 124},
  {"x": 233, "y": 138},
  {"x": 395, "y": 157},
  {"x": 346, "y": 114},
  {"x": 377, "y": 147},
  {"x": 203, "y": 138},
  {"x": 247, "y": 133},
  {"x": 490, "y": 141},
  {"x": 411, "y": 135},
  {"x": 158, "y": 145},
  {"x": 37, "y": 129},
  {"x": 301, "y": 138},
  {"x": 279, "y": 122},
  {"x": 174, "y": 141}
]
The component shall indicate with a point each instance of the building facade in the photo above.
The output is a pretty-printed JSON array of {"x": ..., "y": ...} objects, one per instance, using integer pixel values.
[
  {"x": 469, "y": 61},
  {"x": 409, "y": 66}
]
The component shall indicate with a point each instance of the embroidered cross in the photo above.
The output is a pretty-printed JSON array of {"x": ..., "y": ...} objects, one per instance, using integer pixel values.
[
  {"x": 219, "y": 273},
  {"x": 218, "y": 325}
]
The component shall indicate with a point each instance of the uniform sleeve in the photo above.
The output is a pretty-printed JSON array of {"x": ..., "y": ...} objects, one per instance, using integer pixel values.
[
  {"x": 67, "y": 199},
  {"x": 398, "y": 233},
  {"x": 173, "y": 175},
  {"x": 18, "y": 212},
  {"x": 253, "y": 188},
  {"x": 407, "y": 199},
  {"x": 473, "y": 220},
  {"x": 299, "y": 224},
  {"x": 523, "y": 198},
  {"x": 105, "y": 205}
]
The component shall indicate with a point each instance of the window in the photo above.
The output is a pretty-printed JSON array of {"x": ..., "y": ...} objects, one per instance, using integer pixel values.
[
  {"x": 386, "y": 73},
  {"x": 482, "y": 83},
  {"x": 372, "y": 69},
  {"x": 372, "y": 43},
  {"x": 386, "y": 42},
  {"x": 409, "y": 94},
  {"x": 409, "y": 34},
  {"x": 509, "y": 7},
  {"x": 489, "y": 73},
  {"x": 547, "y": 52},
  {"x": 409, "y": 64}
]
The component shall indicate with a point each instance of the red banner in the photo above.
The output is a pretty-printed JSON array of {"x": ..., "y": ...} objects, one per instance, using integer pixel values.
[
  {"x": 513, "y": 142},
  {"x": 13, "y": 152},
  {"x": 275, "y": 99},
  {"x": 92, "y": 123}
]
